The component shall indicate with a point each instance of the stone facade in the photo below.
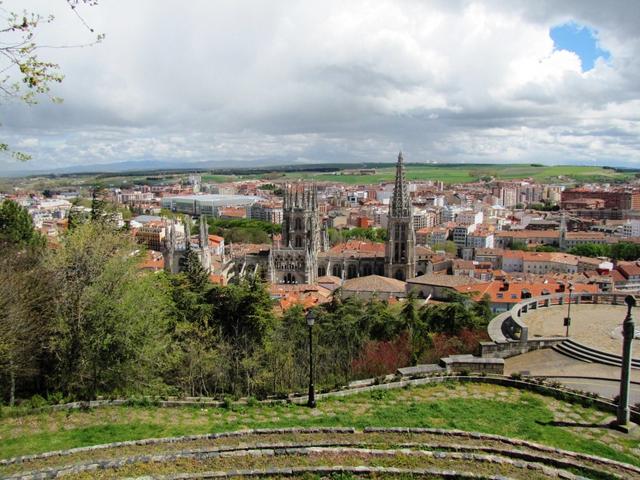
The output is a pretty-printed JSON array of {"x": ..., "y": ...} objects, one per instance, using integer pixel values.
[
  {"x": 302, "y": 254},
  {"x": 400, "y": 255},
  {"x": 295, "y": 258}
]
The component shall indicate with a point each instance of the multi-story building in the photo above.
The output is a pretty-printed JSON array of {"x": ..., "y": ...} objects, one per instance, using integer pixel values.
[
  {"x": 631, "y": 228},
  {"x": 432, "y": 236},
  {"x": 622, "y": 200}
]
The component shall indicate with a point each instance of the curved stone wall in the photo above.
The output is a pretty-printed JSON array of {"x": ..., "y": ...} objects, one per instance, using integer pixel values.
[{"x": 510, "y": 334}]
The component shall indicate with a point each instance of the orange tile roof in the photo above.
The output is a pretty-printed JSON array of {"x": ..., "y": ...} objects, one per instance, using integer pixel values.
[
  {"x": 536, "y": 289},
  {"x": 528, "y": 233},
  {"x": 358, "y": 247}
]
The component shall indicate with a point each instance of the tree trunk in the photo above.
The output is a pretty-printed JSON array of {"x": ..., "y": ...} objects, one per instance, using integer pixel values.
[{"x": 12, "y": 376}]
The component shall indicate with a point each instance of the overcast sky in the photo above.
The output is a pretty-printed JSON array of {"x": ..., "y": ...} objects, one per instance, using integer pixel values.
[{"x": 239, "y": 81}]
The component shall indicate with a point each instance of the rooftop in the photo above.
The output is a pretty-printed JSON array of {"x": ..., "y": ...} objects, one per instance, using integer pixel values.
[{"x": 374, "y": 283}]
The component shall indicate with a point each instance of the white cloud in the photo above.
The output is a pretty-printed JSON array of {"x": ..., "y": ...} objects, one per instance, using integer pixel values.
[{"x": 243, "y": 80}]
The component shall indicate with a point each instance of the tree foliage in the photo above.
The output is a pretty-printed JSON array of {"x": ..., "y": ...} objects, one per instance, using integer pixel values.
[
  {"x": 16, "y": 226},
  {"x": 85, "y": 321}
]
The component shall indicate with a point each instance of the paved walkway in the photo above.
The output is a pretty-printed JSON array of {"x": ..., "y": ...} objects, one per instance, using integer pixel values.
[
  {"x": 597, "y": 326},
  {"x": 548, "y": 362}
]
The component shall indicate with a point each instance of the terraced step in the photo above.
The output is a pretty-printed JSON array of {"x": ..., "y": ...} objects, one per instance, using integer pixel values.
[
  {"x": 426, "y": 452},
  {"x": 570, "y": 353},
  {"x": 588, "y": 354}
]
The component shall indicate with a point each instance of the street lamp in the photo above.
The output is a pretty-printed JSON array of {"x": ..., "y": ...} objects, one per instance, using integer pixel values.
[
  {"x": 567, "y": 319},
  {"x": 628, "y": 331},
  {"x": 311, "y": 402}
]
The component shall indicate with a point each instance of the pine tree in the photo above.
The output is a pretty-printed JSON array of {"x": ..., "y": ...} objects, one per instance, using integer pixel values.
[
  {"x": 16, "y": 226},
  {"x": 97, "y": 206},
  {"x": 195, "y": 272}
]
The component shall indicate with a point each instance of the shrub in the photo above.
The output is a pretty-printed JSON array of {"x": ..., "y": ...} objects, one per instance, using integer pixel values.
[
  {"x": 379, "y": 358},
  {"x": 252, "y": 402},
  {"x": 56, "y": 398},
  {"x": 227, "y": 402},
  {"x": 37, "y": 402},
  {"x": 515, "y": 376}
]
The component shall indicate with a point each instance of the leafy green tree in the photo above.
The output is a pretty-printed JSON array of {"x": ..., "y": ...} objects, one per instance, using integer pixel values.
[
  {"x": 377, "y": 235},
  {"x": 16, "y": 226},
  {"x": 25, "y": 300},
  {"x": 591, "y": 250},
  {"x": 243, "y": 314},
  {"x": 518, "y": 245},
  {"x": 459, "y": 313},
  {"x": 111, "y": 322},
  {"x": 448, "y": 247},
  {"x": 625, "y": 251}
]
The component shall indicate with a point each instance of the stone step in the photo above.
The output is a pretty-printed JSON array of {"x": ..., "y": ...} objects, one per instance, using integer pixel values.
[
  {"x": 635, "y": 363},
  {"x": 560, "y": 348}
]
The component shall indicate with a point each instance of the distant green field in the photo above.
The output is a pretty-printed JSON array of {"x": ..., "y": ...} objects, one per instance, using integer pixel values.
[{"x": 465, "y": 173}]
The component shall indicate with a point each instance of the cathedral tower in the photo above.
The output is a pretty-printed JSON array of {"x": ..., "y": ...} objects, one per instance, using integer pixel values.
[
  {"x": 295, "y": 258},
  {"x": 400, "y": 255}
]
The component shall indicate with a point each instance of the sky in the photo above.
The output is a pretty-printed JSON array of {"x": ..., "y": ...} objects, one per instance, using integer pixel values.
[{"x": 241, "y": 82}]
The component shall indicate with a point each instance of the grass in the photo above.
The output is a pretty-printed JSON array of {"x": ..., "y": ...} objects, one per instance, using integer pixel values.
[
  {"x": 465, "y": 173},
  {"x": 472, "y": 407}
]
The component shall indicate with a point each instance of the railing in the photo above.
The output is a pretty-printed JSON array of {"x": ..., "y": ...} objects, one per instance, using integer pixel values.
[{"x": 510, "y": 334}]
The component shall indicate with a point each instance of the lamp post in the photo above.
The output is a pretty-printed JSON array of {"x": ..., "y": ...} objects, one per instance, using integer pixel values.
[
  {"x": 628, "y": 331},
  {"x": 311, "y": 402},
  {"x": 567, "y": 319}
]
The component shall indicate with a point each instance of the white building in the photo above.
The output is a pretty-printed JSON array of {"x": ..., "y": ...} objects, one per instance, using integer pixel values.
[{"x": 631, "y": 228}]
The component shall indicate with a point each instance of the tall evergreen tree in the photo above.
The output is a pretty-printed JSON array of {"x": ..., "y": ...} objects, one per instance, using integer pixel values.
[
  {"x": 98, "y": 205},
  {"x": 195, "y": 272},
  {"x": 16, "y": 226}
]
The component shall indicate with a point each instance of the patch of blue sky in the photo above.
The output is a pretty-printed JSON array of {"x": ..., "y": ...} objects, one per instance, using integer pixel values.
[{"x": 580, "y": 39}]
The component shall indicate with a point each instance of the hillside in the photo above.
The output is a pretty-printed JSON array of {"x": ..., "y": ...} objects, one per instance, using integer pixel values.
[{"x": 511, "y": 414}]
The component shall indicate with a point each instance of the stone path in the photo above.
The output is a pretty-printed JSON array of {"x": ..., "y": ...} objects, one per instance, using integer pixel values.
[
  {"x": 592, "y": 325},
  {"x": 550, "y": 363}
]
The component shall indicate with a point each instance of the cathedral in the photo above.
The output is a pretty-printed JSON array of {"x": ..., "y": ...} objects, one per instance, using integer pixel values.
[
  {"x": 302, "y": 254},
  {"x": 294, "y": 258}
]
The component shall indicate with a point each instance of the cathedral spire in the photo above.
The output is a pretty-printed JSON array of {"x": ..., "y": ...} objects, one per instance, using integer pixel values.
[
  {"x": 400, "y": 260},
  {"x": 400, "y": 203}
]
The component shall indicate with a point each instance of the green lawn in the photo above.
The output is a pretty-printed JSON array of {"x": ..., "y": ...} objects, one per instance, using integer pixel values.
[
  {"x": 471, "y": 407},
  {"x": 466, "y": 173}
]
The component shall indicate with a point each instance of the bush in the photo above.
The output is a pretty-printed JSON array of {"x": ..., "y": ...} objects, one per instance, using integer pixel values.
[
  {"x": 380, "y": 394},
  {"x": 252, "y": 402},
  {"x": 56, "y": 398},
  {"x": 37, "y": 402},
  {"x": 227, "y": 402},
  {"x": 516, "y": 376}
]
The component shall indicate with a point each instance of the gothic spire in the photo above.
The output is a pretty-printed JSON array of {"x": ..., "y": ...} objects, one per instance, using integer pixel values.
[{"x": 400, "y": 203}]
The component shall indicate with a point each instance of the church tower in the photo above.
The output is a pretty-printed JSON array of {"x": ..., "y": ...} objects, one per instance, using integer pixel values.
[
  {"x": 400, "y": 254},
  {"x": 295, "y": 258}
]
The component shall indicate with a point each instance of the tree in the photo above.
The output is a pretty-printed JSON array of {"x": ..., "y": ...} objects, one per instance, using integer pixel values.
[
  {"x": 518, "y": 245},
  {"x": 98, "y": 205},
  {"x": 546, "y": 248},
  {"x": 16, "y": 226},
  {"x": 195, "y": 272},
  {"x": 625, "y": 251},
  {"x": 25, "y": 75},
  {"x": 243, "y": 315},
  {"x": 448, "y": 247},
  {"x": 25, "y": 300},
  {"x": 591, "y": 250},
  {"x": 110, "y": 322}
]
